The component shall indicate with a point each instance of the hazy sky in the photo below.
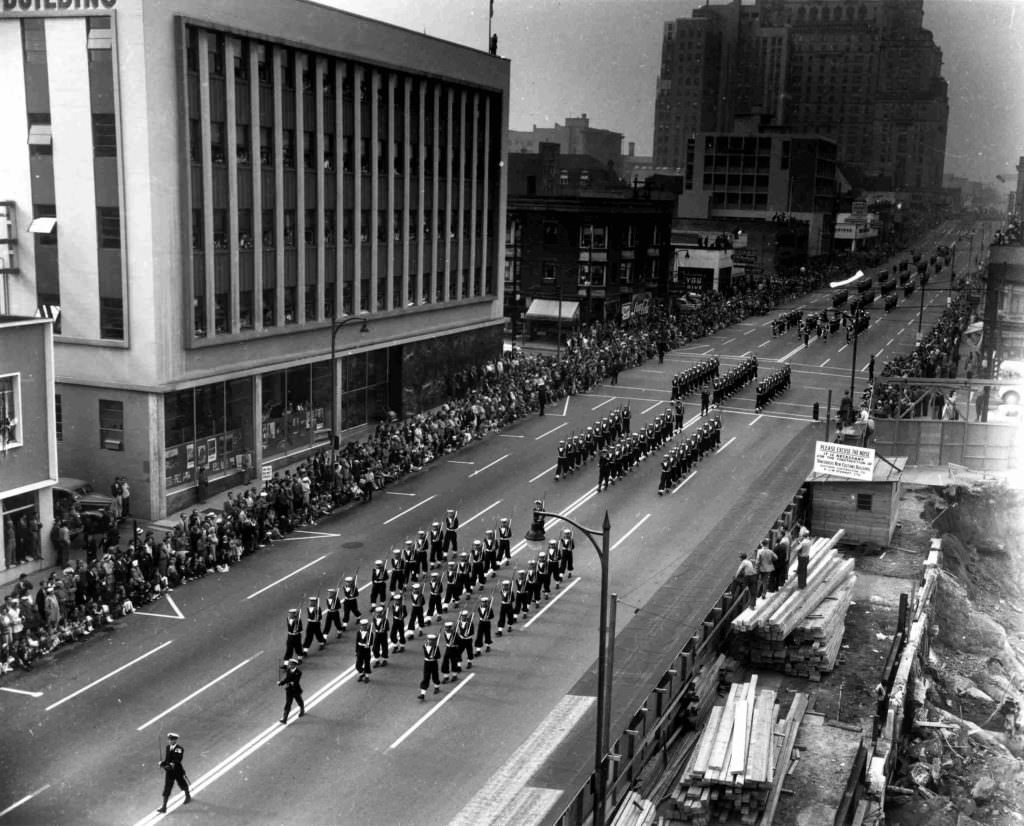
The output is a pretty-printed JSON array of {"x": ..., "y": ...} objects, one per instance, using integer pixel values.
[{"x": 601, "y": 57}]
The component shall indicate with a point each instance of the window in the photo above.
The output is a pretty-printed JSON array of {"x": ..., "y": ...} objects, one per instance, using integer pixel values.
[
  {"x": 864, "y": 501},
  {"x": 549, "y": 272},
  {"x": 591, "y": 275},
  {"x": 10, "y": 411},
  {"x": 593, "y": 237},
  {"x": 217, "y": 141},
  {"x": 511, "y": 270},
  {"x": 99, "y": 34},
  {"x": 111, "y": 425},
  {"x": 40, "y": 135},
  {"x": 58, "y": 417},
  {"x": 112, "y": 318},
  {"x": 104, "y": 136},
  {"x": 243, "y": 151},
  {"x": 628, "y": 236},
  {"x": 44, "y": 224},
  {"x": 626, "y": 272},
  {"x": 563, "y": 177},
  {"x": 108, "y": 224},
  {"x": 550, "y": 232}
]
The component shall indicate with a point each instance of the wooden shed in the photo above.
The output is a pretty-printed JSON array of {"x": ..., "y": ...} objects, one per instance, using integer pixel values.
[{"x": 866, "y": 510}]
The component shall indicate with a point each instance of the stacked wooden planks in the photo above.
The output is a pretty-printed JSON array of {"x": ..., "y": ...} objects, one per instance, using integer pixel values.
[
  {"x": 800, "y": 631},
  {"x": 732, "y": 770}
]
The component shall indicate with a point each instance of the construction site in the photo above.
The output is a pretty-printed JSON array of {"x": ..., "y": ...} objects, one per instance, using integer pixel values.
[{"x": 887, "y": 690}]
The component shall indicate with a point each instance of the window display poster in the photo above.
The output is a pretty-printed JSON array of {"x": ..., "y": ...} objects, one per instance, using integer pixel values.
[
  {"x": 190, "y": 456},
  {"x": 201, "y": 457},
  {"x": 211, "y": 450}
]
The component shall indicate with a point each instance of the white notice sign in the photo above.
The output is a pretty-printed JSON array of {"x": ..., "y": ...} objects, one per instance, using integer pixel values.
[
  {"x": 847, "y": 461},
  {"x": 266, "y": 473}
]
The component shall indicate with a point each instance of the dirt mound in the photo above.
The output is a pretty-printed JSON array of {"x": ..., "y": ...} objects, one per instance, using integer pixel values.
[{"x": 960, "y": 626}]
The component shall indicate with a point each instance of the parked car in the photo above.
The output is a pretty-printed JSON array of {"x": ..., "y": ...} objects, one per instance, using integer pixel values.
[{"x": 81, "y": 506}]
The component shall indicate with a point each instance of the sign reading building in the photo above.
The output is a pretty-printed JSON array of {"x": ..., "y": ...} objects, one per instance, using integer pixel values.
[{"x": 847, "y": 461}]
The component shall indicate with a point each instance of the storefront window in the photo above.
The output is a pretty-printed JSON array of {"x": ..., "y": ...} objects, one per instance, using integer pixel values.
[
  {"x": 365, "y": 386},
  {"x": 295, "y": 408},
  {"x": 209, "y": 426}
]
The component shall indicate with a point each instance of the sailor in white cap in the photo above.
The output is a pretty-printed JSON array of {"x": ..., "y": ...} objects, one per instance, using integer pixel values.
[
  {"x": 431, "y": 655},
  {"x": 174, "y": 771}
]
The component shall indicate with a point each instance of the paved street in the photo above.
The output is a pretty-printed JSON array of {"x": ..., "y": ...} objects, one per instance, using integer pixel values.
[{"x": 82, "y": 747}]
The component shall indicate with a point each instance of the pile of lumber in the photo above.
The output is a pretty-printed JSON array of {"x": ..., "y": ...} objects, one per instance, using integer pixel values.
[
  {"x": 800, "y": 631},
  {"x": 741, "y": 756}
]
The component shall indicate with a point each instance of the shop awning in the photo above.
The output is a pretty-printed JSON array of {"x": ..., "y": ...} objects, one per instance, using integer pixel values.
[{"x": 547, "y": 308}]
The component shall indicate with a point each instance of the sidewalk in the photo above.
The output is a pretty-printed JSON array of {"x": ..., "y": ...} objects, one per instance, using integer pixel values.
[{"x": 40, "y": 570}]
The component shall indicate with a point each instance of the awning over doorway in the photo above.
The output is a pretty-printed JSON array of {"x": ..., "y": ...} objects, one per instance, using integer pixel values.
[{"x": 547, "y": 308}]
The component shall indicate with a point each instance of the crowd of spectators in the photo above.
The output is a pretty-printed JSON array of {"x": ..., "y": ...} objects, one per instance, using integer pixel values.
[
  {"x": 937, "y": 356},
  {"x": 117, "y": 576}
]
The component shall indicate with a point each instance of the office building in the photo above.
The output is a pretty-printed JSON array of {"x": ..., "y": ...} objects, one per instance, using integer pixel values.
[
  {"x": 864, "y": 74},
  {"x": 200, "y": 189}
]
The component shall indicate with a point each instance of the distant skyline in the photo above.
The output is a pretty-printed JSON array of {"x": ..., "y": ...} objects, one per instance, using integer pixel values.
[{"x": 601, "y": 57}]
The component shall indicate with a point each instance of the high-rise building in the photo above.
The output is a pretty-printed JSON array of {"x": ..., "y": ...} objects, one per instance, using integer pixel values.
[
  {"x": 864, "y": 73},
  {"x": 200, "y": 190}
]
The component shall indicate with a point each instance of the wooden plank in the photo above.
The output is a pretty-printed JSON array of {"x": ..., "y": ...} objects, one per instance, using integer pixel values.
[
  {"x": 724, "y": 734},
  {"x": 740, "y": 732},
  {"x": 793, "y": 720},
  {"x": 707, "y": 741},
  {"x": 760, "y": 735}
]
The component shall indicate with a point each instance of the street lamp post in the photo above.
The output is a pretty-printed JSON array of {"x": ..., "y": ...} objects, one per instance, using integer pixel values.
[
  {"x": 336, "y": 325},
  {"x": 605, "y": 648}
]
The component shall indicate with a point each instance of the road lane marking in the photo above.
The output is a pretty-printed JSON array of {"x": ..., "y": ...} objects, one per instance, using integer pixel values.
[
  {"x": 628, "y": 533},
  {"x": 475, "y": 515},
  {"x": 755, "y": 420},
  {"x": 505, "y": 786},
  {"x": 826, "y": 361},
  {"x": 176, "y": 615},
  {"x": 889, "y": 342},
  {"x": 549, "y": 432},
  {"x": 730, "y": 341},
  {"x": 106, "y": 677},
  {"x": 485, "y": 467},
  {"x": 642, "y": 370},
  {"x": 542, "y": 473},
  {"x": 765, "y": 344},
  {"x": 289, "y": 576},
  {"x": 432, "y": 711},
  {"x": 261, "y": 739},
  {"x": 609, "y": 400},
  {"x": 397, "y": 493},
  {"x": 842, "y": 348},
  {"x": 751, "y": 330},
  {"x": 409, "y": 510},
  {"x": 460, "y": 462},
  {"x": 198, "y": 691},
  {"x": 723, "y": 447},
  {"x": 22, "y": 691},
  {"x": 687, "y": 479},
  {"x": 792, "y": 352},
  {"x": 25, "y": 799},
  {"x": 511, "y": 436},
  {"x": 649, "y": 409},
  {"x": 550, "y": 602}
]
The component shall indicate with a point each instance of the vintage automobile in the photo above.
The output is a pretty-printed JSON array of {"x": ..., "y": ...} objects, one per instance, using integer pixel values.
[{"x": 81, "y": 506}]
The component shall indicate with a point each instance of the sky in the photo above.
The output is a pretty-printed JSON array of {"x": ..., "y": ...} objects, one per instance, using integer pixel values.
[{"x": 601, "y": 58}]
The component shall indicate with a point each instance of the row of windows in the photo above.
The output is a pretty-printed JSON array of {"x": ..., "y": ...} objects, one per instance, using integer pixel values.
[
  {"x": 587, "y": 274},
  {"x": 591, "y": 236},
  {"x": 400, "y": 230}
]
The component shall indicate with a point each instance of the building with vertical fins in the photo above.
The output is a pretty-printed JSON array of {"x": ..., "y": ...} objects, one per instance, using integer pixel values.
[
  {"x": 863, "y": 73},
  {"x": 196, "y": 191}
]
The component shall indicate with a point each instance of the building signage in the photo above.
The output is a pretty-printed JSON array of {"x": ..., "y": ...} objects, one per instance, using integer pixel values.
[
  {"x": 266, "y": 473},
  {"x": 745, "y": 256},
  {"x": 15, "y": 6},
  {"x": 847, "y": 461}
]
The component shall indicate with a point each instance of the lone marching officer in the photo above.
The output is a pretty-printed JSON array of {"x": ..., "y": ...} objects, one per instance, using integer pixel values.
[
  {"x": 174, "y": 771},
  {"x": 292, "y": 682}
]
